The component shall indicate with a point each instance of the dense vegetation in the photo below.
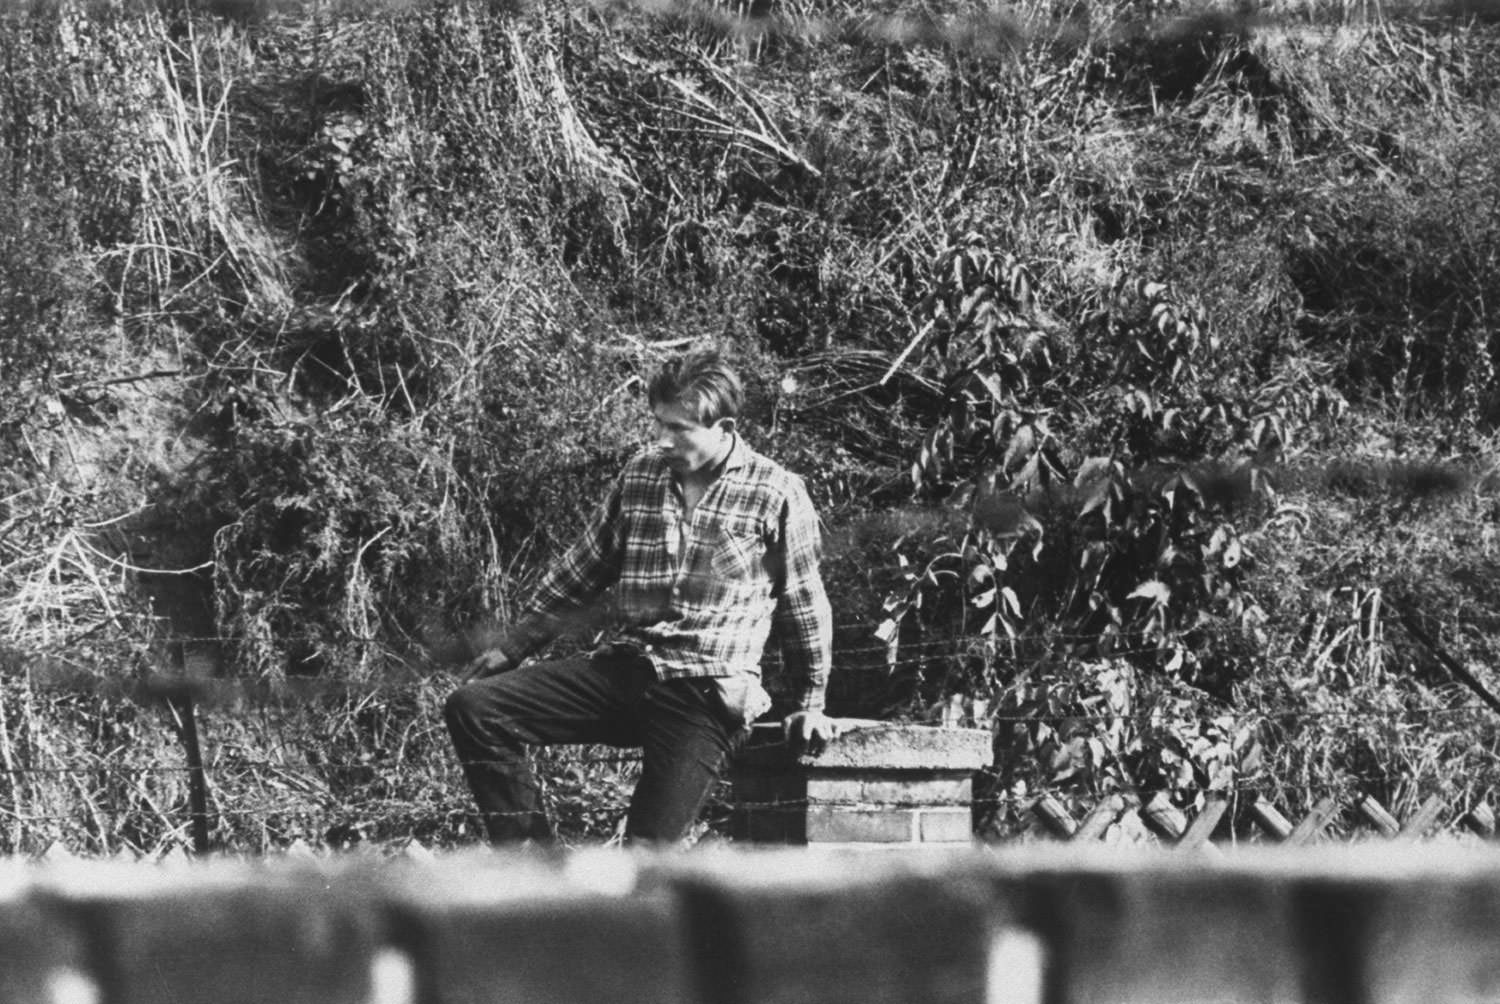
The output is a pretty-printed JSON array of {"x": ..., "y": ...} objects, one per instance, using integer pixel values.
[{"x": 1140, "y": 360}]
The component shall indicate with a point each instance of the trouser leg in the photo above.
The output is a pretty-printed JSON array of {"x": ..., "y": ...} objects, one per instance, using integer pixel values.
[
  {"x": 686, "y": 737},
  {"x": 492, "y": 721}
]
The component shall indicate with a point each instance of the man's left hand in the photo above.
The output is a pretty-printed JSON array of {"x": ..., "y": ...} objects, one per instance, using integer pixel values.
[{"x": 809, "y": 731}]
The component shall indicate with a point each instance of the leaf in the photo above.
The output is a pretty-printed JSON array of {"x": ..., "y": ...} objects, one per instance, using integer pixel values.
[
  {"x": 992, "y": 384},
  {"x": 983, "y": 599},
  {"x": 1023, "y": 479},
  {"x": 1011, "y": 602},
  {"x": 973, "y": 300},
  {"x": 886, "y": 632},
  {"x": 1021, "y": 444},
  {"x": 1091, "y": 469},
  {"x": 1232, "y": 554},
  {"x": 1154, "y": 590},
  {"x": 1098, "y": 499}
]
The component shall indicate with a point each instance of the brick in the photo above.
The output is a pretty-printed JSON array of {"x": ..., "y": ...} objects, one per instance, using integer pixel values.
[
  {"x": 945, "y": 825},
  {"x": 769, "y": 825},
  {"x": 787, "y": 927},
  {"x": 230, "y": 935},
  {"x": 500, "y": 928},
  {"x": 835, "y": 824},
  {"x": 42, "y": 957},
  {"x": 918, "y": 787}
]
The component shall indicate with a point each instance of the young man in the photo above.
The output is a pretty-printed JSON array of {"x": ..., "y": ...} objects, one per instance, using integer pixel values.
[{"x": 708, "y": 545}]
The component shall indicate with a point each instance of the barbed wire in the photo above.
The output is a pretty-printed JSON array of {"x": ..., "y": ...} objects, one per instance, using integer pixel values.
[
  {"x": 211, "y": 691},
  {"x": 1129, "y": 801}
]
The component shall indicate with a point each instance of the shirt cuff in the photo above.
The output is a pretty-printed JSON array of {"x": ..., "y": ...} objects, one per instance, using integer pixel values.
[{"x": 813, "y": 700}]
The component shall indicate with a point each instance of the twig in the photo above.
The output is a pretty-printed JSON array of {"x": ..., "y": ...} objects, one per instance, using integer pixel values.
[
  {"x": 135, "y": 378},
  {"x": 15, "y": 782},
  {"x": 1468, "y": 679},
  {"x": 906, "y": 352}
]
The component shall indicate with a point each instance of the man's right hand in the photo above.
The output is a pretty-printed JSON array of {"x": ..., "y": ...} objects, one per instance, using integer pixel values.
[{"x": 487, "y": 663}]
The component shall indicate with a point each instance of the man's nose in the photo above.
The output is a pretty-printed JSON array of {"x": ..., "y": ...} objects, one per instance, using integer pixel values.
[{"x": 663, "y": 439}]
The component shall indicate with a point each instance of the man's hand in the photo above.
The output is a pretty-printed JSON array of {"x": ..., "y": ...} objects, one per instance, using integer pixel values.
[
  {"x": 809, "y": 731},
  {"x": 487, "y": 663}
]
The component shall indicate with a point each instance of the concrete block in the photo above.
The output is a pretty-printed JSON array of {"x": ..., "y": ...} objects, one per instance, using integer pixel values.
[
  {"x": 1132, "y": 929},
  {"x": 836, "y": 824},
  {"x": 786, "y": 927},
  {"x": 1403, "y": 937},
  {"x": 879, "y": 787},
  {"x": 945, "y": 825},
  {"x": 228, "y": 934},
  {"x": 875, "y": 747},
  {"x": 506, "y": 929},
  {"x": 42, "y": 957},
  {"x": 871, "y": 772}
]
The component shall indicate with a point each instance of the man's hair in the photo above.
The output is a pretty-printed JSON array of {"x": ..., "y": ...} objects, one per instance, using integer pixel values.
[{"x": 700, "y": 381}]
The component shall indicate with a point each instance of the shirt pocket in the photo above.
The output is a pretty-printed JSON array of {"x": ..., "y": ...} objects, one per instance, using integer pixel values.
[{"x": 736, "y": 550}]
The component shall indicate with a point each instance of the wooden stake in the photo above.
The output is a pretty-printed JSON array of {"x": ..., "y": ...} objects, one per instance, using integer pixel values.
[
  {"x": 1481, "y": 820},
  {"x": 1056, "y": 816},
  {"x": 184, "y": 711},
  {"x": 1313, "y": 823},
  {"x": 1165, "y": 818},
  {"x": 1269, "y": 819},
  {"x": 1204, "y": 823},
  {"x": 1099, "y": 819},
  {"x": 1426, "y": 818},
  {"x": 15, "y": 780},
  {"x": 1377, "y": 815}
]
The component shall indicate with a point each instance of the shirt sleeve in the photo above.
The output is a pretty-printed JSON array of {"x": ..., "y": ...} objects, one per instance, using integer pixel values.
[
  {"x": 804, "y": 619},
  {"x": 586, "y": 570}
]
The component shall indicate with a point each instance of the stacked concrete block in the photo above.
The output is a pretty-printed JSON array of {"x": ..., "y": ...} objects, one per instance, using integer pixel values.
[
  {"x": 778, "y": 928},
  {"x": 529, "y": 930},
  {"x": 43, "y": 957},
  {"x": 878, "y": 784},
  {"x": 1133, "y": 927},
  {"x": 1053, "y": 924}
]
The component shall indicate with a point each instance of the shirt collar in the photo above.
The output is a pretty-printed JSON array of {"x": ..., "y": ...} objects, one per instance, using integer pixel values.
[{"x": 739, "y": 454}]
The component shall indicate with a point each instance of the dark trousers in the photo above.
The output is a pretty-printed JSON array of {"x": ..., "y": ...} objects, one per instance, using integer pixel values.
[{"x": 614, "y": 698}]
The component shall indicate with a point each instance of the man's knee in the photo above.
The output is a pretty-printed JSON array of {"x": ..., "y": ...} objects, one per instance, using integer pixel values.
[
  {"x": 478, "y": 715},
  {"x": 461, "y": 707},
  {"x": 475, "y": 709}
]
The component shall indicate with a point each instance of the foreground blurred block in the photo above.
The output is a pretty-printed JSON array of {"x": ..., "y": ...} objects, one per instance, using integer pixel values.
[
  {"x": 879, "y": 784},
  {"x": 789, "y": 927},
  {"x": 233, "y": 935},
  {"x": 1042, "y": 924},
  {"x": 1151, "y": 929},
  {"x": 1411, "y": 932},
  {"x": 510, "y": 929},
  {"x": 42, "y": 956}
]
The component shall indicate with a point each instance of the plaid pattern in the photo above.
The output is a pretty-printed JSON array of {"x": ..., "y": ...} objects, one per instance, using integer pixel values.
[{"x": 701, "y": 603}]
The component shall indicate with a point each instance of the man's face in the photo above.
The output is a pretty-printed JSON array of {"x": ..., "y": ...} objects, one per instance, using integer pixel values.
[{"x": 688, "y": 445}]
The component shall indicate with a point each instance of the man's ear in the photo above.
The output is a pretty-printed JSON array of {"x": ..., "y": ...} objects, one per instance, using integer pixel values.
[{"x": 726, "y": 424}]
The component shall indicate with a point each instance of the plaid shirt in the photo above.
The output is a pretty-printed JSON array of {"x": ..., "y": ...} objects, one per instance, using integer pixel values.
[{"x": 701, "y": 602}]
